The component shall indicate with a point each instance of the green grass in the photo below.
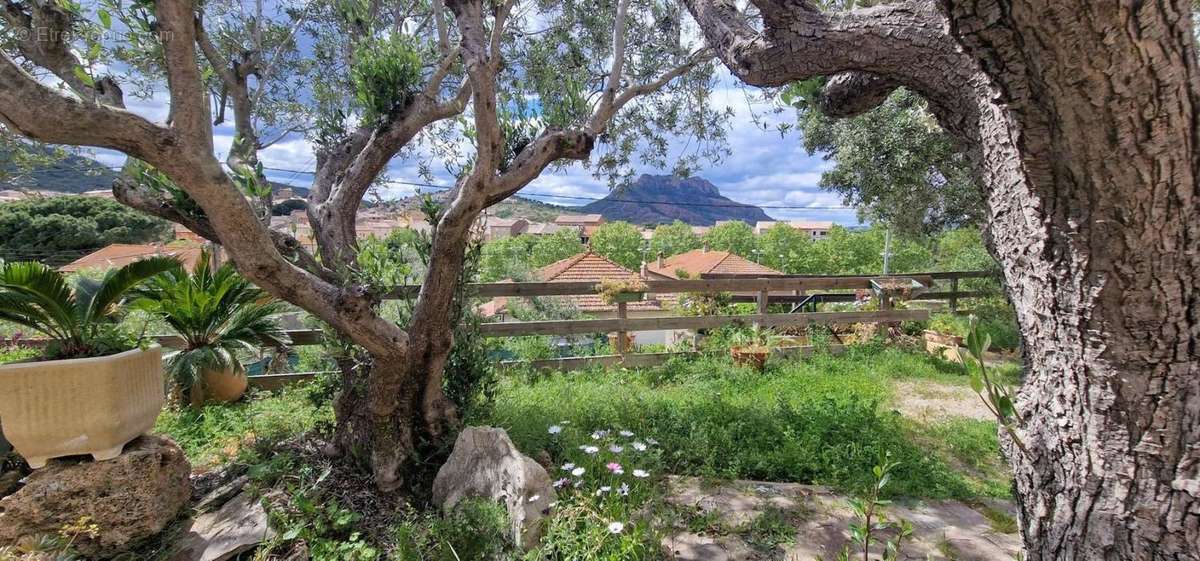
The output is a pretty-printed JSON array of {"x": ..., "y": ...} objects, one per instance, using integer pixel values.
[
  {"x": 219, "y": 433},
  {"x": 13, "y": 354},
  {"x": 819, "y": 420}
]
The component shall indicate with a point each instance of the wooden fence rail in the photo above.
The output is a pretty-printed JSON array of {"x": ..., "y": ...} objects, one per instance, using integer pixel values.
[{"x": 764, "y": 291}]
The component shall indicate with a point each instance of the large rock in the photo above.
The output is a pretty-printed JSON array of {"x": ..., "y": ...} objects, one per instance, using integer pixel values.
[
  {"x": 238, "y": 526},
  {"x": 131, "y": 497},
  {"x": 485, "y": 463}
]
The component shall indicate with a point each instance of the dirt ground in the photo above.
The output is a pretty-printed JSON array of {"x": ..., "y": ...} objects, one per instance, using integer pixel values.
[
  {"x": 928, "y": 401},
  {"x": 758, "y": 521}
]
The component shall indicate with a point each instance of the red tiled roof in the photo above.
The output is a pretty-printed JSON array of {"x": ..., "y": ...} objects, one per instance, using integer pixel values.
[
  {"x": 579, "y": 219},
  {"x": 700, "y": 262},
  {"x": 588, "y": 267},
  {"x": 119, "y": 255}
]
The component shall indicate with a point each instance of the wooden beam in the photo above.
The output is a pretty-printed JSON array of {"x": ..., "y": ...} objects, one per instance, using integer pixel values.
[
  {"x": 644, "y": 360},
  {"x": 575, "y": 327}
]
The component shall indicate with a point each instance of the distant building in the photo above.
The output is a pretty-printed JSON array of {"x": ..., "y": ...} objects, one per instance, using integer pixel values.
[
  {"x": 815, "y": 230},
  {"x": 495, "y": 228},
  {"x": 699, "y": 263},
  {"x": 119, "y": 255},
  {"x": 588, "y": 223},
  {"x": 184, "y": 234},
  {"x": 548, "y": 228}
]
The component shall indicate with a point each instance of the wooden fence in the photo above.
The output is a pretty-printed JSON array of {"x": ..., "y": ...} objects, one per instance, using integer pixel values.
[{"x": 791, "y": 289}]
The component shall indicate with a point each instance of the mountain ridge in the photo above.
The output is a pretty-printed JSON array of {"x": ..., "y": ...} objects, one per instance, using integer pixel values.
[{"x": 662, "y": 199}]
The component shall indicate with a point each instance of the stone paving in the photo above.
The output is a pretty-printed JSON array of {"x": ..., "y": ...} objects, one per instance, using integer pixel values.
[{"x": 943, "y": 530}]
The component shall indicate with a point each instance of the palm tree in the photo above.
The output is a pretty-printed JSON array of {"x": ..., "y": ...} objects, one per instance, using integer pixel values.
[
  {"x": 81, "y": 320},
  {"x": 216, "y": 312}
]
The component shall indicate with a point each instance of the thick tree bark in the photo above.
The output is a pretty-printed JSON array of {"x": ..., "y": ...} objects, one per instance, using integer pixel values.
[{"x": 1082, "y": 118}]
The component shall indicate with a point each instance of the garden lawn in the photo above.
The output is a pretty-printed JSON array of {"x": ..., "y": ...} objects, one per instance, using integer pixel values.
[
  {"x": 216, "y": 434},
  {"x": 824, "y": 419}
]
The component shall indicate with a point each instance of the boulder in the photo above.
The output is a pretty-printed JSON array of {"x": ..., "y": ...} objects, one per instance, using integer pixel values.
[
  {"x": 485, "y": 463},
  {"x": 238, "y": 526},
  {"x": 130, "y": 498}
]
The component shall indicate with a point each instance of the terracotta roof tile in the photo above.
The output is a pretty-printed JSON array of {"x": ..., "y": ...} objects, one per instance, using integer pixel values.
[
  {"x": 590, "y": 267},
  {"x": 119, "y": 255},
  {"x": 700, "y": 262}
]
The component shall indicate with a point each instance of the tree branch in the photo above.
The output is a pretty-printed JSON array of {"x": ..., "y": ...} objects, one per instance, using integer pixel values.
[
  {"x": 48, "y": 115},
  {"x": 133, "y": 195},
  {"x": 906, "y": 42},
  {"x": 854, "y": 93},
  {"x": 189, "y": 103},
  {"x": 42, "y": 38}
]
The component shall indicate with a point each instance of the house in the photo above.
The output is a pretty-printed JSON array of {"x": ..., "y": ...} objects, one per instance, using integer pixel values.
[
  {"x": 495, "y": 228},
  {"x": 548, "y": 228},
  {"x": 184, "y": 234},
  {"x": 587, "y": 222},
  {"x": 815, "y": 230},
  {"x": 591, "y": 267},
  {"x": 700, "y": 263},
  {"x": 119, "y": 255}
]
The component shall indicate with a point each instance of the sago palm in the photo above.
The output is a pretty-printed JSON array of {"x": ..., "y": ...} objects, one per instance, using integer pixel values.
[
  {"x": 80, "y": 319},
  {"x": 217, "y": 313}
]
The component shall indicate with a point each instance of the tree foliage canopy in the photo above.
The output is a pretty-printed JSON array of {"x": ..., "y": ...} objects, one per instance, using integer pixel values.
[
  {"x": 673, "y": 239},
  {"x": 894, "y": 163},
  {"x": 74, "y": 223},
  {"x": 620, "y": 242}
]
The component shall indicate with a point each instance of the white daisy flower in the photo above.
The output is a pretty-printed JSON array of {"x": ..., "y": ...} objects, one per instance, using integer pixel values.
[
  {"x": 626, "y": 433},
  {"x": 578, "y": 471},
  {"x": 555, "y": 429},
  {"x": 639, "y": 446},
  {"x": 616, "y": 528},
  {"x": 615, "y": 449},
  {"x": 568, "y": 466},
  {"x": 641, "y": 473}
]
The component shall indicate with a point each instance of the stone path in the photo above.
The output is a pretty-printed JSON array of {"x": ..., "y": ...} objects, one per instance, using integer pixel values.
[{"x": 751, "y": 521}]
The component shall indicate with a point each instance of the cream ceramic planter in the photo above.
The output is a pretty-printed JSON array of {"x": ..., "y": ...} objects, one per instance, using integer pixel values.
[{"x": 80, "y": 406}]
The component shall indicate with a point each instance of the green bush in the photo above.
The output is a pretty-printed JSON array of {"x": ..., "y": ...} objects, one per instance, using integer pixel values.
[{"x": 476, "y": 529}]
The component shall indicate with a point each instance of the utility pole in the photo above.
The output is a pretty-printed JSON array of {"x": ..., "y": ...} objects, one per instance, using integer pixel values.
[{"x": 887, "y": 251}]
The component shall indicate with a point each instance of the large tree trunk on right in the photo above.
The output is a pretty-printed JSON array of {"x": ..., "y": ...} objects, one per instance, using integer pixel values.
[
  {"x": 1082, "y": 117},
  {"x": 1089, "y": 150}
]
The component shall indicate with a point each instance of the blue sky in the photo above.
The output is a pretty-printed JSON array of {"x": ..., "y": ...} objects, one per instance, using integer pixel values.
[{"x": 763, "y": 168}]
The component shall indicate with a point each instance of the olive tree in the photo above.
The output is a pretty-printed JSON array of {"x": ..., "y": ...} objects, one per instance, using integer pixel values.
[
  {"x": 1080, "y": 118},
  {"x": 503, "y": 90}
]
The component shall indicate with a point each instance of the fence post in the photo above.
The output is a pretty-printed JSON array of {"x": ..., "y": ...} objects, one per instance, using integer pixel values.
[
  {"x": 621, "y": 335},
  {"x": 764, "y": 297},
  {"x": 953, "y": 295}
]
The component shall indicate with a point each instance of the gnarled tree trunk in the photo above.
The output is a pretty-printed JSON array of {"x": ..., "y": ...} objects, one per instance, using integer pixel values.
[{"x": 1082, "y": 120}]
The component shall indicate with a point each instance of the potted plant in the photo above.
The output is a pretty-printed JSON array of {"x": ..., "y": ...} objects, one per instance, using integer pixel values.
[
  {"x": 621, "y": 290},
  {"x": 216, "y": 312},
  {"x": 94, "y": 387},
  {"x": 944, "y": 338},
  {"x": 751, "y": 348}
]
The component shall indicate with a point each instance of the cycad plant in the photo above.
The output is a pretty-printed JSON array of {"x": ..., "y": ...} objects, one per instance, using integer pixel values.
[
  {"x": 217, "y": 313},
  {"x": 81, "y": 320}
]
